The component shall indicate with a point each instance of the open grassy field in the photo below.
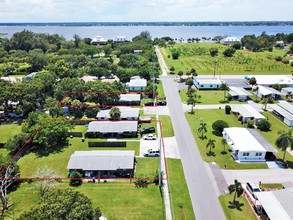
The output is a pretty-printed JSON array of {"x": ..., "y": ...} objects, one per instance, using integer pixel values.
[
  {"x": 179, "y": 195},
  {"x": 220, "y": 156},
  {"x": 196, "y": 55},
  {"x": 117, "y": 200},
  {"x": 242, "y": 212},
  {"x": 8, "y": 131},
  {"x": 58, "y": 160},
  {"x": 208, "y": 97}
]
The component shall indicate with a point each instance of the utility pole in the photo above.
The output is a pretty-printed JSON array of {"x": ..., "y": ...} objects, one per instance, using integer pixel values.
[{"x": 215, "y": 67}]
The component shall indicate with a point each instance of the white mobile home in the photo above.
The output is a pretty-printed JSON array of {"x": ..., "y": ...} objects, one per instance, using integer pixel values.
[
  {"x": 267, "y": 92},
  {"x": 238, "y": 93},
  {"x": 247, "y": 145},
  {"x": 207, "y": 83},
  {"x": 284, "y": 111},
  {"x": 247, "y": 112}
]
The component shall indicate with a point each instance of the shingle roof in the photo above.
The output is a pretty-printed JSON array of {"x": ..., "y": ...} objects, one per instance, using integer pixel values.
[{"x": 101, "y": 160}]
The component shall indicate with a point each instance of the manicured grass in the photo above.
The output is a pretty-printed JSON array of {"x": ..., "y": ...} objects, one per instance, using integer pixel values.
[
  {"x": 242, "y": 211},
  {"x": 117, "y": 200},
  {"x": 271, "y": 186},
  {"x": 160, "y": 90},
  {"x": 271, "y": 136},
  {"x": 167, "y": 127},
  {"x": 8, "y": 131},
  {"x": 179, "y": 195},
  {"x": 220, "y": 156},
  {"x": 208, "y": 97},
  {"x": 58, "y": 160},
  {"x": 148, "y": 167},
  {"x": 196, "y": 55}
]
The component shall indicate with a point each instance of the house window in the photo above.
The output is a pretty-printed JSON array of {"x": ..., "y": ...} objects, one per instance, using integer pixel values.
[
  {"x": 201, "y": 86},
  {"x": 245, "y": 154},
  {"x": 259, "y": 154},
  {"x": 211, "y": 86},
  {"x": 256, "y": 154}
]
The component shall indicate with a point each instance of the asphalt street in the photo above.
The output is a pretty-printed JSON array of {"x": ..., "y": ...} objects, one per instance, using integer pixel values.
[{"x": 203, "y": 195}]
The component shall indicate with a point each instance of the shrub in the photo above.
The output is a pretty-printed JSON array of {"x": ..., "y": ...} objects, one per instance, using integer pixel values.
[
  {"x": 172, "y": 68},
  {"x": 263, "y": 125},
  {"x": 214, "y": 52},
  {"x": 229, "y": 52},
  {"x": 285, "y": 61},
  {"x": 278, "y": 58},
  {"x": 75, "y": 178},
  {"x": 240, "y": 117},
  {"x": 218, "y": 126},
  {"x": 250, "y": 123},
  {"x": 227, "y": 109},
  {"x": 175, "y": 55}
]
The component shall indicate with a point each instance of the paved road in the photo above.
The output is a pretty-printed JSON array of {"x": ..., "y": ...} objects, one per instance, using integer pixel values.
[{"x": 203, "y": 195}]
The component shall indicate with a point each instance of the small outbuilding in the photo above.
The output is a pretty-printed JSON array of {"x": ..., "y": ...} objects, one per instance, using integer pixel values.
[
  {"x": 103, "y": 163},
  {"x": 247, "y": 112},
  {"x": 229, "y": 40},
  {"x": 247, "y": 145}
]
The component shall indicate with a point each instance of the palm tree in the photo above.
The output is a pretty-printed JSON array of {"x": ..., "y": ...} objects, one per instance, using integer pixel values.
[
  {"x": 289, "y": 95},
  {"x": 265, "y": 101},
  {"x": 255, "y": 90},
  {"x": 224, "y": 87},
  {"x": 115, "y": 113},
  {"x": 284, "y": 141},
  {"x": 237, "y": 188},
  {"x": 202, "y": 129},
  {"x": 211, "y": 144},
  {"x": 224, "y": 143}
]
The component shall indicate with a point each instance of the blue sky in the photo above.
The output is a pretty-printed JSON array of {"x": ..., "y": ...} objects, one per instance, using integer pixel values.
[{"x": 144, "y": 10}]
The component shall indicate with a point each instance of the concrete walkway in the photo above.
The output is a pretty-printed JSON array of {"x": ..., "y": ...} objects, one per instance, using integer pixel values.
[{"x": 162, "y": 63}]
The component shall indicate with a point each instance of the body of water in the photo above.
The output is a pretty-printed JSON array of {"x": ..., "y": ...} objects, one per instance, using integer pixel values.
[{"x": 185, "y": 32}]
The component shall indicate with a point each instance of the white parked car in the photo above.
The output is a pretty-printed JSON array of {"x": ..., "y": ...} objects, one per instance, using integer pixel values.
[
  {"x": 152, "y": 153},
  {"x": 150, "y": 137}
]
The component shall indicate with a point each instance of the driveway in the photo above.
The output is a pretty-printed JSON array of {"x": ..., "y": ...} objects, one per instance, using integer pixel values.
[{"x": 159, "y": 110}]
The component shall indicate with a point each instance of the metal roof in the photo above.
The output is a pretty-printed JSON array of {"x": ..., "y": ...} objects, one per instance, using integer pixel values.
[
  {"x": 112, "y": 126},
  {"x": 126, "y": 112},
  {"x": 243, "y": 140},
  {"x": 137, "y": 82},
  {"x": 264, "y": 142},
  {"x": 101, "y": 160},
  {"x": 129, "y": 97},
  {"x": 282, "y": 112},
  {"x": 267, "y": 91},
  {"x": 208, "y": 81},
  {"x": 248, "y": 111},
  {"x": 287, "y": 106},
  {"x": 272, "y": 79},
  {"x": 277, "y": 204},
  {"x": 238, "y": 91}
]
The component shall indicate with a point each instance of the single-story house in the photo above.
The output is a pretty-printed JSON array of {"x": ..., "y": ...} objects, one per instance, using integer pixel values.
[
  {"x": 12, "y": 79},
  {"x": 103, "y": 163},
  {"x": 285, "y": 91},
  {"x": 110, "y": 79},
  {"x": 98, "y": 40},
  {"x": 247, "y": 145},
  {"x": 127, "y": 113},
  {"x": 238, "y": 93},
  {"x": 229, "y": 40},
  {"x": 129, "y": 99},
  {"x": 2, "y": 114},
  {"x": 136, "y": 52},
  {"x": 120, "y": 39},
  {"x": 30, "y": 76},
  {"x": 275, "y": 205},
  {"x": 136, "y": 84},
  {"x": 279, "y": 43},
  {"x": 284, "y": 111},
  {"x": 89, "y": 78},
  {"x": 247, "y": 112},
  {"x": 201, "y": 83},
  {"x": 267, "y": 92},
  {"x": 102, "y": 129},
  {"x": 270, "y": 80}
]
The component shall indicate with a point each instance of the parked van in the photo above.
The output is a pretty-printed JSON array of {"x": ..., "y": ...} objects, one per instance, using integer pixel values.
[{"x": 252, "y": 188}]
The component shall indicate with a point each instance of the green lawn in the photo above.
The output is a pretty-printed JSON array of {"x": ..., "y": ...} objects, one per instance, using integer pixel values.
[
  {"x": 196, "y": 55},
  {"x": 207, "y": 97},
  {"x": 8, "y": 131},
  {"x": 179, "y": 195},
  {"x": 271, "y": 186},
  {"x": 117, "y": 200},
  {"x": 148, "y": 167},
  {"x": 242, "y": 212},
  {"x": 167, "y": 127},
  {"x": 160, "y": 90},
  {"x": 220, "y": 156},
  {"x": 58, "y": 161},
  {"x": 271, "y": 136}
]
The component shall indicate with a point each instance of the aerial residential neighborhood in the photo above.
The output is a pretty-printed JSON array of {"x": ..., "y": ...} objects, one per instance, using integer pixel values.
[{"x": 146, "y": 126}]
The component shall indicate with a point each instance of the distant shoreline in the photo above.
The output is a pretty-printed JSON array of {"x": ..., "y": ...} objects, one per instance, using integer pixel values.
[{"x": 200, "y": 23}]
